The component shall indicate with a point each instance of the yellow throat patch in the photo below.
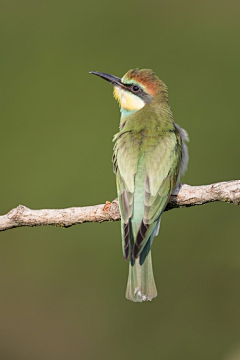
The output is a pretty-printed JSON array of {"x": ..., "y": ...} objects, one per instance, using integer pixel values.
[{"x": 127, "y": 100}]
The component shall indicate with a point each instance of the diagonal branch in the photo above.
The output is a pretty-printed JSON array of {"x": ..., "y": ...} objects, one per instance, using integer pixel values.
[{"x": 182, "y": 196}]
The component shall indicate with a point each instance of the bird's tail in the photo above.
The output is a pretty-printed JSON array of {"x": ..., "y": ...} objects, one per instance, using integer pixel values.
[{"x": 141, "y": 285}]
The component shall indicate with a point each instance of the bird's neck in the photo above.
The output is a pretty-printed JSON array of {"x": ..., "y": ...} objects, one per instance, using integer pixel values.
[
  {"x": 154, "y": 118},
  {"x": 125, "y": 112}
]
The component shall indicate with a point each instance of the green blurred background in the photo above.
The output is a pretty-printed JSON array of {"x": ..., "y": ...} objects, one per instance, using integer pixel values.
[{"x": 63, "y": 290}]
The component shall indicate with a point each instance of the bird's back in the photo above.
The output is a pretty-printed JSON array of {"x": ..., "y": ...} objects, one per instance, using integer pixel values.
[{"x": 147, "y": 153}]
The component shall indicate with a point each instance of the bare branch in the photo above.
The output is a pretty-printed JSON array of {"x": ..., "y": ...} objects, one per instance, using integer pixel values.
[{"x": 182, "y": 196}]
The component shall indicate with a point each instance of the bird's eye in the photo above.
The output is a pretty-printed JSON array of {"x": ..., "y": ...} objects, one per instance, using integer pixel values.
[{"x": 135, "y": 88}]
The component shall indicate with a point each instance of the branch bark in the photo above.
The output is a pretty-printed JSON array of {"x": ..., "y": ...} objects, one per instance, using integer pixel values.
[{"x": 182, "y": 196}]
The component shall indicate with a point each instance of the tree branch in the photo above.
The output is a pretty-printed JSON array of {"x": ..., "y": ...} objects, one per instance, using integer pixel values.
[{"x": 182, "y": 196}]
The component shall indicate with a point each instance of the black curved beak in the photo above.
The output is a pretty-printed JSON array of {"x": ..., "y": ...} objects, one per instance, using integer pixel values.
[{"x": 110, "y": 78}]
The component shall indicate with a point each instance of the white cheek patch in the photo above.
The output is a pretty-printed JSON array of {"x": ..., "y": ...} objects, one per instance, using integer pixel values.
[{"x": 127, "y": 100}]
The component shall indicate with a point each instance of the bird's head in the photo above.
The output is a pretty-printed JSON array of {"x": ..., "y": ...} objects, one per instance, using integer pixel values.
[{"x": 136, "y": 88}]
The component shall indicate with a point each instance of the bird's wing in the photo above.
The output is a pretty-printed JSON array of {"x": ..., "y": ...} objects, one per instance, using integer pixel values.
[
  {"x": 163, "y": 158},
  {"x": 125, "y": 160}
]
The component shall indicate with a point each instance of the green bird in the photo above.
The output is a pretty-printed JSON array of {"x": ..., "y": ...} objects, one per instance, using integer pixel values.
[{"x": 150, "y": 154}]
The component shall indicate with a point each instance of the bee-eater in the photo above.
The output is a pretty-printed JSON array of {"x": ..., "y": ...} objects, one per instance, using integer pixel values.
[{"x": 149, "y": 156}]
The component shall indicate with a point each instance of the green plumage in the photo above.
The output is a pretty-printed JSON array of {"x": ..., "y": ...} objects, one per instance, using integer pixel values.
[
  {"x": 149, "y": 154},
  {"x": 147, "y": 157}
]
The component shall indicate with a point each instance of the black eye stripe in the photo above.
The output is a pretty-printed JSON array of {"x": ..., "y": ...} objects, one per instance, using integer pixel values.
[
  {"x": 135, "y": 88},
  {"x": 147, "y": 98}
]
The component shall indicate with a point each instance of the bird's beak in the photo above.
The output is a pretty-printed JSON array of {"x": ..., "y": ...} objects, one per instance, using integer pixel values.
[{"x": 110, "y": 78}]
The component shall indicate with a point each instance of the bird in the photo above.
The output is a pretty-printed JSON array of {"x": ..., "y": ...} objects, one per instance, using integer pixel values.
[{"x": 149, "y": 156}]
